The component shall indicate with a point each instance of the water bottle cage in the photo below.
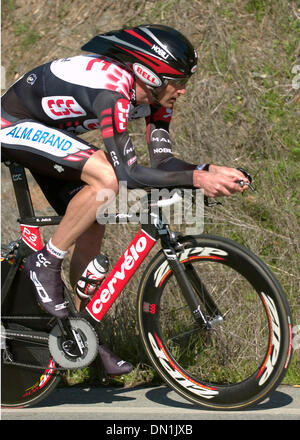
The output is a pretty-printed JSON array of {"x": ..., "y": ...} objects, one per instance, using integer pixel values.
[
  {"x": 91, "y": 281},
  {"x": 88, "y": 288}
]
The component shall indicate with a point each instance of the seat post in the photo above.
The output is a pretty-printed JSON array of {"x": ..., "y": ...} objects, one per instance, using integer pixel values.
[{"x": 21, "y": 189}]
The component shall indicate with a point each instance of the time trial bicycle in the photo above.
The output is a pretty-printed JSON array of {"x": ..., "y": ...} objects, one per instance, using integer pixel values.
[{"x": 213, "y": 319}]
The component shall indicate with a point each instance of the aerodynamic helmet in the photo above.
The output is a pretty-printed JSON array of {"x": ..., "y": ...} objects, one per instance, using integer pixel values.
[{"x": 155, "y": 53}]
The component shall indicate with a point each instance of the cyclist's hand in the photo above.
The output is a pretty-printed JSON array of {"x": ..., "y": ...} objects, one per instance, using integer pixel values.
[
  {"x": 219, "y": 184},
  {"x": 232, "y": 172}
]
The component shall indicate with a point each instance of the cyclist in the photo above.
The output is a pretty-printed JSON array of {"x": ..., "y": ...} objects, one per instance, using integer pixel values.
[{"x": 129, "y": 73}]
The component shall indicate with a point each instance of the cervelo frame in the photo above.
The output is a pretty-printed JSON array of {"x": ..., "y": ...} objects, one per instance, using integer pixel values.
[{"x": 126, "y": 266}]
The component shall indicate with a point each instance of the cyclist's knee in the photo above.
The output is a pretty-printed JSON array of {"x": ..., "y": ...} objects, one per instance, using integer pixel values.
[
  {"x": 110, "y": 181},
  {"x": 99, "y": 173}
]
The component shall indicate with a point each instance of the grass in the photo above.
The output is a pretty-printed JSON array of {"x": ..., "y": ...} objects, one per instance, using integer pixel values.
[{"x": 28, "y": 37}]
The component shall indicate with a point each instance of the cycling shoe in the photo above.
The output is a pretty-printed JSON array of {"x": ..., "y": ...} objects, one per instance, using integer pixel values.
[
  {"x": 44, "y": 271},
  {"x": 113, "y": 365}
]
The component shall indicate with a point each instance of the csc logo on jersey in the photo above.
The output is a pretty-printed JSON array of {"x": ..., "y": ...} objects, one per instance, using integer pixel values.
[
  {"x": 60, "y": 107},
  {"x": 121, "y": 114}
]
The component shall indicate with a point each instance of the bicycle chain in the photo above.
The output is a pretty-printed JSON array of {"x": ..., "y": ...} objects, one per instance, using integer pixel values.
[
  {"x": 33, "y": 339},
  {"x": 33, "y": 367},
  {"x": 14, "y": 335},
  {"x": 15, "y": 318}
]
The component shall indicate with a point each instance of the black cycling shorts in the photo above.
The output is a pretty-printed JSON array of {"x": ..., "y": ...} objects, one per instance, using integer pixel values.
[{"x": 55, "y": 157}]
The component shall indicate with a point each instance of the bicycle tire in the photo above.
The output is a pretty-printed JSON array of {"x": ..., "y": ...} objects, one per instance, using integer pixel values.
[
  {"x": 21, "y": 385},
  {"x": 236, "y": 364}
]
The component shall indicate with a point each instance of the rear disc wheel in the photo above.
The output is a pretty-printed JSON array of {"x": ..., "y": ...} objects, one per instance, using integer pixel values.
[{"x": 23, "y": 386}]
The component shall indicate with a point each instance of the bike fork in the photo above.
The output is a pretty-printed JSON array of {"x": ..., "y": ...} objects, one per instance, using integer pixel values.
[{"x": 189, "y": 283}]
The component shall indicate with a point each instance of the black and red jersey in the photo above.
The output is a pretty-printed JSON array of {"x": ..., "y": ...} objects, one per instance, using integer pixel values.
[{"x": 88, "y": 92}]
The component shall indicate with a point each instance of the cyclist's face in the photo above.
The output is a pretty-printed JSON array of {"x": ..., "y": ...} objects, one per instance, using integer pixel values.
[{"x": 168, "y": 96}]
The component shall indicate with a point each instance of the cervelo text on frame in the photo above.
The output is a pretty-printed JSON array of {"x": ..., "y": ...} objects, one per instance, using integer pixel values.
[{"x": 116, "y": 280}]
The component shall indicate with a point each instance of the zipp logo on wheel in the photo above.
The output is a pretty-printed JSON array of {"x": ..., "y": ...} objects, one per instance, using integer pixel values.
[
  {"x": 59, "y": 107},
  {"x": 178, "y": 375}
]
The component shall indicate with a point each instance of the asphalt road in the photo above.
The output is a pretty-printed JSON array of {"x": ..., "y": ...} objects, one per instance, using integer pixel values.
[{"x": 148, "y": 404}]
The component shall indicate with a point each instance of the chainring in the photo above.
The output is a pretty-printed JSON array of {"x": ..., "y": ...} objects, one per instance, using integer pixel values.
[{"x": 61, "y": 348}]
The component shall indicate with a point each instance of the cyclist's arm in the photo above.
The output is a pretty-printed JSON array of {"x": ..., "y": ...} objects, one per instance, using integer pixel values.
[
  {"x": 159, "y": 142},
  {"x": 219, "y": 181},
  {"x": 112, "y": 111}
]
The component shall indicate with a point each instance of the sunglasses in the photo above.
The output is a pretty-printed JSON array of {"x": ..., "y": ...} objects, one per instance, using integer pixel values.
[{"x": 181, "y": 82}]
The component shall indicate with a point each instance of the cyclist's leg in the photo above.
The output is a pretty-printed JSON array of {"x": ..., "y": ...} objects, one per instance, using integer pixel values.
[
  {"x": 57, "y": 192},
  {"x": 99, "y": 175},
  {"x": 97, "y": 172},
  {"x": 86, "y": 247},
  {"x": 88, "y": 244},
  {"x": 78, "y": 222},
  {"x": 59, "y": 154},
  {"x": 56, "y": 153}
]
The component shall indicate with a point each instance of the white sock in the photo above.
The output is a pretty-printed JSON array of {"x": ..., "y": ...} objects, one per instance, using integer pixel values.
[{"x": 53, "y": 250}]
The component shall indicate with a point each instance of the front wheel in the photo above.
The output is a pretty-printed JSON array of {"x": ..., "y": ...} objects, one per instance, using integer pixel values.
[{"x": 242, "y": 354}]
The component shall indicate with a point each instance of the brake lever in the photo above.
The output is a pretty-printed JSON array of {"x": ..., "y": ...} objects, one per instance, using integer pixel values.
[{"x": 242, "y": 183}]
